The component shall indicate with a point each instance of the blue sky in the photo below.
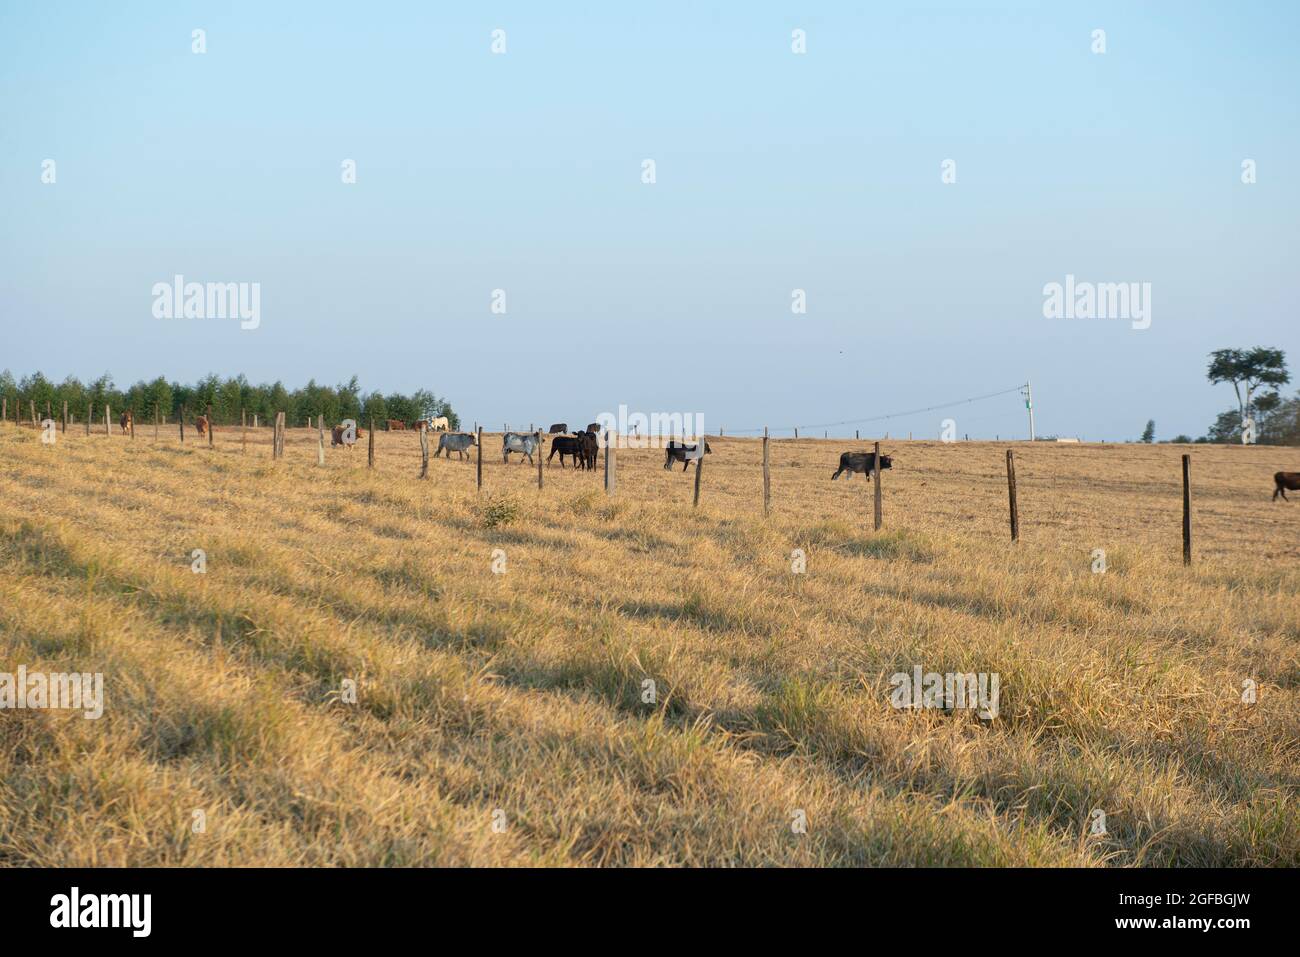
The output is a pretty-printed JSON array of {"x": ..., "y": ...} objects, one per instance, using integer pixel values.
[{"x": 775, "y": 171}]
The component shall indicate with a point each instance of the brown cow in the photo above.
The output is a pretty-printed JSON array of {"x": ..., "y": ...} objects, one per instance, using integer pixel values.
[
  {"x": 1284, "y": 481},
  {"x": 202, "y": 424},
  {"x": 125, "y": 421},
  {"x": 396, "y": 425},
  {"x": 339, "y": 436}
]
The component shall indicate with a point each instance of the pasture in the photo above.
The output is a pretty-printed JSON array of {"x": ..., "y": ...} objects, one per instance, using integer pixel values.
[{"x": 501, "y": 716}]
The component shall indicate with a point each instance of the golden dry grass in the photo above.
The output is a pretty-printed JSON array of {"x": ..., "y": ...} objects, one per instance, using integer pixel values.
[{"x": 522, "y": 692}]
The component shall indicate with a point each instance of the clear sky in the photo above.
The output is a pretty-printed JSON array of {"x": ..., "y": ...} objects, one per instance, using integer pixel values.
[{"x": 775, "y": 171}]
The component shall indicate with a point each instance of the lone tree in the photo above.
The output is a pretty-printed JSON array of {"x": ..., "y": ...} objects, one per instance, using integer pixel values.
[
  {"x": 1149, "y": 433},
  {"x": 1248, "y": 369}
]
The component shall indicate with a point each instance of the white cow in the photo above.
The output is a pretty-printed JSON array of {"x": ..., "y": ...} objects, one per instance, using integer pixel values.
[{"x": 439, "y": 424}]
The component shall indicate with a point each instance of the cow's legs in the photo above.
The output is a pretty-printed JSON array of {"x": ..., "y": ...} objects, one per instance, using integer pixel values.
[{"x": 837, "y": 473}]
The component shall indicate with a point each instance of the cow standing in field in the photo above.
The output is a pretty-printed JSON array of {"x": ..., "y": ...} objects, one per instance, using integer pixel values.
[
  {"x": 1285, "y": 481},
  {"x": 396, "y": 425},
  {"x": 593, "y": 428},
  {"x": 590, "y": 447},
  {"x": 202, "y": 424},
  {"x": 566, "y": 445},
  {"x": 523, "y": 443},
  {"x": 458, "y": 442},
  {"x": 559, "y": 428},
  {"x": 340, "y": 435},
  {"x": 439, "y": 424},
  {"x": 125, "y": 421},
  {"x": 684, "y": 452},
  {"x": 862, "y": 462}
]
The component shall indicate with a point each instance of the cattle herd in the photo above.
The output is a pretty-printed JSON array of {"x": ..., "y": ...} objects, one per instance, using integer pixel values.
[{"x": 582, "y": 447}]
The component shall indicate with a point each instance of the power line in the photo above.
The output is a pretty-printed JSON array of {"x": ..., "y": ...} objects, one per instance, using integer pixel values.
[{"x": 891, "y": 415}]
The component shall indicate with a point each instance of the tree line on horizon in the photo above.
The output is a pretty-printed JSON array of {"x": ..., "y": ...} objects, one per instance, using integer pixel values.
[
  {"x": 1256, "y": 375},
  {"x": 229, "y": 398}
]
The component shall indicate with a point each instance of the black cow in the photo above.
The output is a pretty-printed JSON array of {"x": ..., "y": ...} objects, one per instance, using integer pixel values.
[
  {"x": 1284, "y": 481},
  {"x": 593, "y": 428},
  {"x": 684, "y": 452},
  {"x": 559, "y": 428},
  {"x": 565, "y": 445},
  {"x": 590, "y": 449},
  {"x": 863, "y": 462}
]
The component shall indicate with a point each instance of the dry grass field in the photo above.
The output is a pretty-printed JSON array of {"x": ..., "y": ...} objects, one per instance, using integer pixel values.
[{"x": 499, "y": 718}]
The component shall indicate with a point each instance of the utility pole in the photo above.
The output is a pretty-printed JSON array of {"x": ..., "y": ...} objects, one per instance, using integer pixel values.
[{"x": 1029, "y": 404}]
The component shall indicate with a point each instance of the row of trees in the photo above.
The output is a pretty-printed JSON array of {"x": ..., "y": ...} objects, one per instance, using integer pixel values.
[
  {"x": 1262, "y": 415},
  {"x": 227, "y": 397}
]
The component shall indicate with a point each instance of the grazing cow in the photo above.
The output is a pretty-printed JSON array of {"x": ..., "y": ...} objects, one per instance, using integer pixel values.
[
  {"x": 559, "y": 428},
  {"x": 862, "y": 462},
  {"x": 439, "y": 424},
  {"x": 458, "y": 442},
  {"x": 593, "y": 428},
  {"x": 396, "y": 425},
  {"x": 202, "y": 424},
  {"x": 1284, "y": 481},
  {"x": 590, "y": 447},
  {"x": 125, "y": 421},
  {"x": 525, "y": 443},
  {"x": 684, "y": 452},
  {"x": 339, "y": 436},
  {"x": 566, "y": 445}
]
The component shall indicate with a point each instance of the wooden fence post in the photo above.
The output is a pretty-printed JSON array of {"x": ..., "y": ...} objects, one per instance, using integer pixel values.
[
  {"x": 243, "y": 430},
  {"x": 32, "y": 403},
  {"x": 320, "y": 440},
  {"x": 370, "y": 446},
  {"x": 700, "y": 446},
  {"x": 479, "y": 465},
  {"x": 108, "y": 420},
  {"x": 767, "y": 475},
  {"x": 1187, "y": 509},
  {"x": 211, "y": 431},
  {"x": 879, "y": 508},
  {"x": 424, "y": 453},
  {"x": 155, "y": 421},
  {"x": 181, "y": 420},
  {"x": 611, "y": 466},
  {"x": 1011, "y": 494},
  {"x": 65, "y": 416},
  {"x": 796, "y": 431},
  {"x": 132, "y": 420},
  {"x": 4, "y": 410},
  {"x": 538, "y": 436},
  {"x": 89, "y": 408},
  {"x": 856, "y": 436},
  {"x": 278, "y": 439}
]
